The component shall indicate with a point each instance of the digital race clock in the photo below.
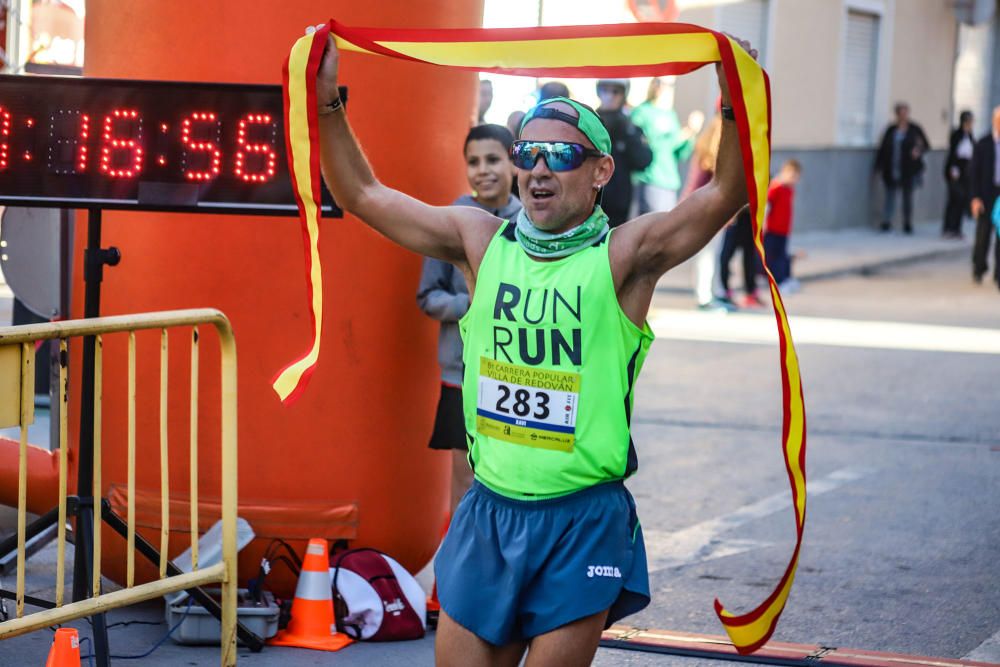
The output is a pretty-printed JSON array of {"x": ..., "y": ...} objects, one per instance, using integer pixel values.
[{"x": 151, "y": 145}]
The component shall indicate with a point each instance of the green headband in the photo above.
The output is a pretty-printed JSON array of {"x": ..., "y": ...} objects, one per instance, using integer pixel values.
[{"x": 587, "y": 121}]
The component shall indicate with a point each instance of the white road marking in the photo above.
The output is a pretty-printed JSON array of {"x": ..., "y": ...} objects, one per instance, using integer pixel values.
[
  {"x": 703, "y": 541},
  {"x": 760, "y": 328},
  {"x": 988, "y": 651}
]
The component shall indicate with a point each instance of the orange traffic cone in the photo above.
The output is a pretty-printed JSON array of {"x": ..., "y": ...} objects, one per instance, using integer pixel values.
[
  {"x": 433, "y": 604},
  {"x": 65, "y": 651},
  {"x": 312, "y": 623}
]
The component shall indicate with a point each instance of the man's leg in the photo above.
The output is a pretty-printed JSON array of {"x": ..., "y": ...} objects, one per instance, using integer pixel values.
[
  {"x": 568, "y": 646},
  {"x": 454, "y": 646},
  {"x": 889, "y": 207},
  {"x": 725, "y": 257},
  {"x": 776, "y": 252},
  {"x": 996, "y": 257},
  {"x": 749, "y": 252},
  {"x": 705, "y": 263},
  {"x": 908, "y": 207},
  {"x": 984, "y": 233},
  {"x": 953, "y": 213}
]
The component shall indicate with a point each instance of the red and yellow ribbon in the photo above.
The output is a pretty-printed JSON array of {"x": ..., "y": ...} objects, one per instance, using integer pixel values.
[{"x": 605, "y": 51}]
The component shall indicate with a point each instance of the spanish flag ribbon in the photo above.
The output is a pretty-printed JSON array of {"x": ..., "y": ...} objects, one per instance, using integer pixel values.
[{"x": 608, "y": 51}]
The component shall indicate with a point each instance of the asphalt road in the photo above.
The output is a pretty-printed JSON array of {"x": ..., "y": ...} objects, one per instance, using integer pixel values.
[
  {"x": 903, "y": 531},
  {"x": 903, "y": 459}
]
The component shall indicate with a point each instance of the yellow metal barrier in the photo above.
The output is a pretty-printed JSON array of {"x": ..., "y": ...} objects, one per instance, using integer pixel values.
[{"x": 17, "y": 409}]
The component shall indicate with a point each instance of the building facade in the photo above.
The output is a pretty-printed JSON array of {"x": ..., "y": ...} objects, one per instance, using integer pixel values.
[{"x": 837, "y": 68}]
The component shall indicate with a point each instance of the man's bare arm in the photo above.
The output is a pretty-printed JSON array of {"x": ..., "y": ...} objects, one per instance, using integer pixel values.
[
  {"x": 664, "y": 240},
  {"x": 652, "y": 244},
  {"x": 455, "y": 234}
]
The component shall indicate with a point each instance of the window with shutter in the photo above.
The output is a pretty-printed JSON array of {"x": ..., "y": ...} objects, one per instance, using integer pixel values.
[
  {"x": 857, "y": 79},
  {"x": 746, "y": 19},
  {"x": 972, "y": 73}
]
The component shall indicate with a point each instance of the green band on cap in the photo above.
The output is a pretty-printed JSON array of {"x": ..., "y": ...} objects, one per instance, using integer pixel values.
[{"x": 587, "y": 121}]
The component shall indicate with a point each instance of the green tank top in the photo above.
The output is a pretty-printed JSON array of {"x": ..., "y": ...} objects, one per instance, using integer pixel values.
[{"x": 550, "y": 364}]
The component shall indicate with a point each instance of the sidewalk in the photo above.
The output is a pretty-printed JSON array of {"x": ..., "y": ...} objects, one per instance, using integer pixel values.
[{"x": 829, "y": 254}]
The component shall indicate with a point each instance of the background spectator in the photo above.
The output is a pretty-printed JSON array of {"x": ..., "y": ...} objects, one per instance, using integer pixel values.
[
  {"x": 700, "y": 170},
  {"x": 657, "y": 187},
  {"x": 514, "y": 124},
  {"x": 985, "y": 173},
  {"x": 778, "y": 224},
  {"x": 956, "y": 176},
  {"x": 553, "y": 89},
  {"x": 444, "y": 295},
  {"x": 900, "y": 160},
  {"x": 628, "y": 148},
  {"x": 485, "y": 98}
]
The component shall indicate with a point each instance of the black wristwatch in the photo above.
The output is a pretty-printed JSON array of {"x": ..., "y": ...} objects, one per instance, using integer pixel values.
[
  {"x": 727, "y": 112},
  {"x": 327, "y": 109}
]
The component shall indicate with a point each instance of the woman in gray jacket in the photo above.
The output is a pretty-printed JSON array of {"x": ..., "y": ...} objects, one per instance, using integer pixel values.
[{"x": 444, "y": 295}]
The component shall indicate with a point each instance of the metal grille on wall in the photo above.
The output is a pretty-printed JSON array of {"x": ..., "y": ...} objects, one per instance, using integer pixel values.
[{"x": 857, "y": 79}]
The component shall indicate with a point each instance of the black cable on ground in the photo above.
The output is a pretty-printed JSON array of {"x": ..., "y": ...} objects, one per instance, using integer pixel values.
[
  {"x": 89, "y": 656},
  {"x": 155, "y": 646},
  {"x": 120, "y": 624}
]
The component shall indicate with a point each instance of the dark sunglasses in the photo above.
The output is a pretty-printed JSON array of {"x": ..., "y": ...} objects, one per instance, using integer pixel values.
[{"x": 558, "y": 155}]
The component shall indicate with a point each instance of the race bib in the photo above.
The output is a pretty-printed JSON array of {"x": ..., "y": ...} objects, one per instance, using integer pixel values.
[{"x": 534, "y": 407}]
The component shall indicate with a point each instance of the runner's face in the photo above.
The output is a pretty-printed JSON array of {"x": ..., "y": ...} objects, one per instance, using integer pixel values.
[
  {"x": 558, "y": 201},
  {"x": 490, "y": 171}
]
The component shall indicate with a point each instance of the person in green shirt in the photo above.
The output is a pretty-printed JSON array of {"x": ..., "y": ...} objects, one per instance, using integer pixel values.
[
  {"x": 657, "y": 186},
  {"x": 545, "y": 550}
]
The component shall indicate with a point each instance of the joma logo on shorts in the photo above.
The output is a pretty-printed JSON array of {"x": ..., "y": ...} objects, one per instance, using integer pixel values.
[{"x": 603, "y": 571}]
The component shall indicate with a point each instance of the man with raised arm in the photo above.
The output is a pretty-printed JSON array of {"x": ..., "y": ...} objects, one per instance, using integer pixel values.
[{"x": 545, "y": 550}]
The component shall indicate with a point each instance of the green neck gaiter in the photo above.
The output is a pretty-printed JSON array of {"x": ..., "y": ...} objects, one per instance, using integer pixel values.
[{"x": 543, "y": 244}]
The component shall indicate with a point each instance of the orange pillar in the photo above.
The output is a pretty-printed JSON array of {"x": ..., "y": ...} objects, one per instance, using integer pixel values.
[{"x": 358, "y": 435}]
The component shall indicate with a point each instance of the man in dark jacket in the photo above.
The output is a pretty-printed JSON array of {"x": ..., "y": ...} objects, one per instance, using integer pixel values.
[
  {"x": 985, "y": 186},
  {"x": 628, "y": 148},
  {"x": 900, "y": 162}
]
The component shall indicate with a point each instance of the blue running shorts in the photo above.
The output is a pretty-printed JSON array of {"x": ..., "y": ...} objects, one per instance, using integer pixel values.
[{"x": 510, "y": 570}]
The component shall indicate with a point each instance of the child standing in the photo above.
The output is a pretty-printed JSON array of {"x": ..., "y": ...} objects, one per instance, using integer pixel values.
[
  {"x": 778, "y": 223},
  {"x": 444, "y": 295}
]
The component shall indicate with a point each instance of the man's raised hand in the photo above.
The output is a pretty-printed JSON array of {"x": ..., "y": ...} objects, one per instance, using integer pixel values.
[
  {"x": 326, "y": 76},
  {"x": 723, "y": 83}
]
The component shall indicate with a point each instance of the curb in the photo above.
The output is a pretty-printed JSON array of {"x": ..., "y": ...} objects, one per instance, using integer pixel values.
[
  {"x": 875, "y": 265},
  {"x": 864, "y": 268},
  {"x": 717, "y": 647}
]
